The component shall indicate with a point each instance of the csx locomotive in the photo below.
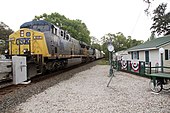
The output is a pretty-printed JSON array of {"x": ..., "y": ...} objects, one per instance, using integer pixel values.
[{"x": 48, "y": 48}]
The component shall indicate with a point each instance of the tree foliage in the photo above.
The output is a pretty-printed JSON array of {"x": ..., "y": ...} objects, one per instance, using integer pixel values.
[
  {"x": 76, "y": 28},
  {"x": 96, "y": 46},
  {"x": 5, "y": 31},
  {"x": 161, "y": 20},
  {"x": 119, "y": 41},
  {"x": 152, "y": 37},
  {"x": 149, "y": 3}
]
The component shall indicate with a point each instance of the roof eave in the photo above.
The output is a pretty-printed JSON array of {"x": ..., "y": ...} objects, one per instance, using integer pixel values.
[{"x": 143, "y": 49}]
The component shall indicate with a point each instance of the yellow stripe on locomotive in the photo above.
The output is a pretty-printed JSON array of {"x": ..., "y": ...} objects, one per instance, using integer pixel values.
[{"x": 26, "y": 41}]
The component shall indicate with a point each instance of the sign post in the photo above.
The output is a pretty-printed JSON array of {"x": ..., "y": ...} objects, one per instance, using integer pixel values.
[{"x": 110, "y": 48}]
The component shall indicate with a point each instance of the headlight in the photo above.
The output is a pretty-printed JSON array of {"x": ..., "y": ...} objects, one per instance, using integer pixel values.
[
  {"x": 21, "y": 33},
  {"x": 6, "y": 51},
  {"x": 25, "y": 50},
  {"x": 37, "y": 37}
]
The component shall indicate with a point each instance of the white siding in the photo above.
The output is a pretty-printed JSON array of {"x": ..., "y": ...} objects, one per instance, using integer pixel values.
[
  {"x": 123, "y": 55},
  {"x": 154, "y": 57},
  {"x": 166, "y": 62},
  {"x": 141, "y": 55}
]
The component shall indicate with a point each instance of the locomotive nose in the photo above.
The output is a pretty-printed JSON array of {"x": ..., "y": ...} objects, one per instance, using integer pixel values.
[
  {"x": 27, "y": 42},
  {"x": 20, "y": 42}
]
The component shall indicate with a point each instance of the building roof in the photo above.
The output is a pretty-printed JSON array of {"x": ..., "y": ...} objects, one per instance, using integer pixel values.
[{"x": 153, "y": 44}]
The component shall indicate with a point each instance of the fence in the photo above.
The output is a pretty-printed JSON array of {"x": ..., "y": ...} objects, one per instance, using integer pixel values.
[{"x": 140, "y": 68}]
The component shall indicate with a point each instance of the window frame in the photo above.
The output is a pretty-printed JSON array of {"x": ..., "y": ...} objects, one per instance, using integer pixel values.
[
  {"x": 135, "y": 55},
  {"x": 167, "y": 54}
]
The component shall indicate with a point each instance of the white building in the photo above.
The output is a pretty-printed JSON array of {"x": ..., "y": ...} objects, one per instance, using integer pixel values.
[
  {"x": 149, "y": 52},
  {"x": 123, "y": 55}
]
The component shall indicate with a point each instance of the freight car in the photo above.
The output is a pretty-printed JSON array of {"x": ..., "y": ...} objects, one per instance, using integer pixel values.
[{"x": 48, "y": 47}]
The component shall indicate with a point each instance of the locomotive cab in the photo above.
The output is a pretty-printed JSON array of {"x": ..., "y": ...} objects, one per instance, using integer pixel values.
[{"x": 30, "y": 41}]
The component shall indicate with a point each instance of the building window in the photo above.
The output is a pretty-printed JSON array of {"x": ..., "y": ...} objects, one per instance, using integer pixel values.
[
  {"x": 146, "y": 56},
  {"x": 62, "y": 34},
  {"x": 55, "y": 49},
  {"x": 166, "y": 54},
  {"x": 132, "y": 55},
  {"x": 56, "y": 32},
  {"x": 53, "y": 31},
  {"x": 135, "y": 55}
]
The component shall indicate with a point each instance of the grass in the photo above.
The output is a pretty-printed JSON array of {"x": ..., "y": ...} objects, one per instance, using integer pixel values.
[{"x": 103, "y": 62}]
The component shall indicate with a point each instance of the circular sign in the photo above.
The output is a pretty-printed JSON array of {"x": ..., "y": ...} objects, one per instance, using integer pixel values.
[
  {"x": 110, "y": 47},
  {"x": 161, "y": 50}
]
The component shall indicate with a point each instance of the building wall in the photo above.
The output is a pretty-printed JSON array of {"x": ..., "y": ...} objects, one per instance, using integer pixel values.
[
  {"x": 141, "y": 55},
  {"x": 154, "y": 57},
  {"x": 166, "y": 62},
  {"x": 123, "y": 55}
]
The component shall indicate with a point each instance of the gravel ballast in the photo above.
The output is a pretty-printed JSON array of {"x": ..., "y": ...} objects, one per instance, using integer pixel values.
[
  {"x": 21, "y": 94},
  {"x": 86, "y": 92}
]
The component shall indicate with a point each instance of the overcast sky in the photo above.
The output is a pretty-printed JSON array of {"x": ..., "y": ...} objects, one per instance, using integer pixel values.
[{"x": 100, "y": 16}]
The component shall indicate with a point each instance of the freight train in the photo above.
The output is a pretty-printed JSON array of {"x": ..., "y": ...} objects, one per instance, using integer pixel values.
[{"x": 47, "y": 47}]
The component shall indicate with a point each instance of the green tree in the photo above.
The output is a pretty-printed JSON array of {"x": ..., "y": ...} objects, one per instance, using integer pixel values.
[
  {"x": 161, "y": 20},
  {"x": 5, "y": 31},
  {"x": 119, "y": 41},
  {"x": 104, "y": 49},
  {"x": 149, "y": 3},
  {"x": 104, "y": 39},
  {"x": 152, "y": 37},
  {"x": 135, "y": 42},
  {"x": 76, "y": 28},
  {"x": 96, "y": 46}
]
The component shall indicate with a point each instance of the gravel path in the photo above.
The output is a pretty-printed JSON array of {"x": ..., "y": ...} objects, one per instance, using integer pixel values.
[{"x": 86, "y": 92}]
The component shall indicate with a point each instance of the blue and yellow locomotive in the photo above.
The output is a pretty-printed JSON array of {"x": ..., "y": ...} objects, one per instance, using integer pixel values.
[{"x": 47, "y": 47}]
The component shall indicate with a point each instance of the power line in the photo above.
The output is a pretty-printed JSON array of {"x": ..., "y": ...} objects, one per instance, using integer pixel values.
[{"x": 139, "y": 15}]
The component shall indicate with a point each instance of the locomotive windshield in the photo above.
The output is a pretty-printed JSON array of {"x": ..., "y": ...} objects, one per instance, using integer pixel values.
[{"x": 41, "y": 27}]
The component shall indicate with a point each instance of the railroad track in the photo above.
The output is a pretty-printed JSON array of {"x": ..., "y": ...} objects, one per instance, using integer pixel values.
[
  {"x": 5, "y": 81},
  {"x": 6, "y": 87}
]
